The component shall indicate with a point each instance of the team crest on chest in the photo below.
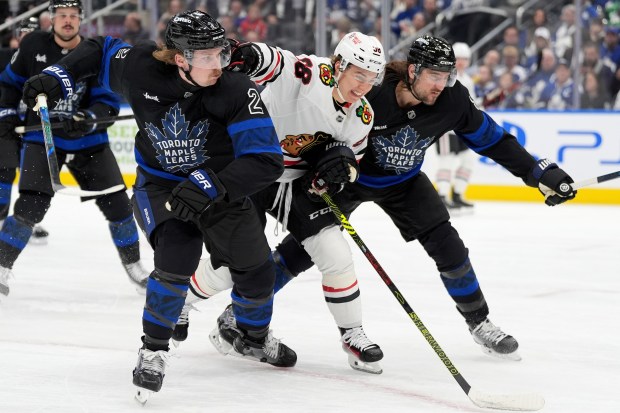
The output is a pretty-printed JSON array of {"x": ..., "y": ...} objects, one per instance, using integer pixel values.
[
  {"x": 178, "y": 148},
  {"x": 402, "y": 151},
  {"x": 296, "y": 145},
  {"x": 326, "y": 74},
  {"x": 363, "y": 112}
]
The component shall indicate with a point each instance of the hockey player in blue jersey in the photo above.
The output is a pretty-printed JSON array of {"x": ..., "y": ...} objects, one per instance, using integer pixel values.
[
  {"x": 205, "y": 143},
  {"x": 83, "y": 148}
]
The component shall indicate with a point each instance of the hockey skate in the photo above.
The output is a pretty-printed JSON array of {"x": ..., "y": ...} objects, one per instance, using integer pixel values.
[
  {"x": 224, "y": 334},
  {"x": 181, "y": 329},
  {"x": 269, "y": 350},
  {"x": 464, "y": 206},
  {"x": 149, "y": 373},
  {"x": 494, "y": 341},
  {"x": 453, "y": 210},
  {"x": 5, "y": 274},
  {"x": 363, "y": 354},
  {"x": 137, "y": 275},
  {"x": 39, "y": 236}
]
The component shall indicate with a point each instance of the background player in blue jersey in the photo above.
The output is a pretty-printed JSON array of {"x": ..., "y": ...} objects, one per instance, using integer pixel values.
[
  {"x": 83, "y": 148},
  {"x": 205, "y": 143}
]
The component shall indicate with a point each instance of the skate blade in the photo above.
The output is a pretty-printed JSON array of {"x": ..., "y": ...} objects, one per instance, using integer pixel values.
[
  {"x": 175, "y": 343},
  {"x": 221, "y": 345},
  {"x": 37, "y": 241},
  {"x": 142, "y": 395},
  {"x": 357, "y": 364},
  {"x": 514, "y": 356}
]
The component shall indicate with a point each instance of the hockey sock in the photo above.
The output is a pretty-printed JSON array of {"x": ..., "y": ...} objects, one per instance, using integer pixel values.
[
  {"x": 14, "y": 236},
  {"x": 165, "y": 297},
  {"x": 126, "y": 239},
  {"x": 463, "y": 287},
  {"x": 253, "y": 315},
  {"x": 342, "y": 296},
  {"x": 6, "y": 185}
]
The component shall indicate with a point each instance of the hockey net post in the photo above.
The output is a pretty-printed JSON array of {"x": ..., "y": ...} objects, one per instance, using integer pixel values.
[
  {"x": 515, "y": 402},
  {"x": 52, "y": 160}
]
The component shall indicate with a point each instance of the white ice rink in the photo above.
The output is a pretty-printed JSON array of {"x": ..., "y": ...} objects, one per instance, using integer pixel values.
[{"x": 70, "y": 330}]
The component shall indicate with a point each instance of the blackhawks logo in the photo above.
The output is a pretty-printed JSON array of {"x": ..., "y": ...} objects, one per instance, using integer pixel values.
[
  {"x": 296, "y": 145},
  {"x": 364, "y": 113},
  {"x": 326, "y": 74}
]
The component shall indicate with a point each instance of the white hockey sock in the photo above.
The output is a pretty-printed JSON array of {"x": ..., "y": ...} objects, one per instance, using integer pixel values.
[
  {"x": 207, "y": 281},
  {"x": 342, "y": 295}
]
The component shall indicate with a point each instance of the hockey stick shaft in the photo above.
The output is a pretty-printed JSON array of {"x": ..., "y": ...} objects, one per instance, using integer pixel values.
[
  {"x": 527, "y": 402},
  {"x": 32, "y": 128},
  {"x": 52, "y": 160},
  {"x": 597, "y": 180}
]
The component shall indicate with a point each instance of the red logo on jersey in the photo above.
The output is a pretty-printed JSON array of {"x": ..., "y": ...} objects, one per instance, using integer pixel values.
[
  {"x": 326, "y": 73},
  {"x": 296, "y": 145},
  {"x": 363, "y": 112}
]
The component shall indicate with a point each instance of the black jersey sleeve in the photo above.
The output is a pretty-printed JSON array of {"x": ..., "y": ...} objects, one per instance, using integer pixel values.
[
  {"x": 16, "y": 73},
  {"x": 258, "y": 158}
]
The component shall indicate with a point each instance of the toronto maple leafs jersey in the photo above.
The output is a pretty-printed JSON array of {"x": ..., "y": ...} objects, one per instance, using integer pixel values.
[
  {"x": 224, "y": 127},
  {"x": 400, "y": 136},
  {"x": 37, "y": 51},
  {"x": 298, "y": 95}
]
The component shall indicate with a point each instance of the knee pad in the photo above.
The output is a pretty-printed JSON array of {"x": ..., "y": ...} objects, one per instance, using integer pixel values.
[
  {"x": 31, "y": 207},
  {"x": 115, "y": 207},
  {"x": 255, "y": 284},
  {"x": 293, "y": 256},
  {"x": 178, "y": 246},
  {"x": 330, "y": 251},
  {"x": 444, "y": 246},
  {"x": 208, "y": 281}
]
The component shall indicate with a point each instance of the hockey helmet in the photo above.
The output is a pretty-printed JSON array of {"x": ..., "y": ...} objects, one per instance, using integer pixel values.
[
  {"x": 365, "y": 52},
  {"x": 191, "y": 31},
  {"x": 58, "y": 4},
  {"x": 28, "y": 25},
  {"x": 461, "y": 50},
  {"x": 433, "y": 53}
]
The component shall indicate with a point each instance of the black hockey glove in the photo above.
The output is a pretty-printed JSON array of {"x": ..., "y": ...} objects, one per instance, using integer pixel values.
[
  {"x": 314, "y": 187},
  {"x": 337, "y": 164},
  {"x": 76, "y": 127},
  {"x": 192, "y": 197},
  {"x": 244, "y": 57},
  {"x": 553, "y": 182},
  {"x": 54, "y": 82},
  {"x": 8, "y": 122}
]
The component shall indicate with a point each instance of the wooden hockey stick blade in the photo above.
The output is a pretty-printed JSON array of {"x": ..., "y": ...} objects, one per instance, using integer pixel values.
[
  {"x": 31, "y": 128},
  {"x": 594, "y": 181},
  {"x": 77, "y": 191},
  {"x": 527, "y": 402}
]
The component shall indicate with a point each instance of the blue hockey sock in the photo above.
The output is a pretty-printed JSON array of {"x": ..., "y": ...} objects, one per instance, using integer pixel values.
[
  {"x": 164, "y": 302},
  {"x": 124, "y": 232},
  {"x": 252, "y": 315}
]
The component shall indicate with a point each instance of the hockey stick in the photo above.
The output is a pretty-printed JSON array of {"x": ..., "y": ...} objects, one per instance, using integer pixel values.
[
  {"x": 519, "y": 402},
  {"x": 597, "y": 180},
  {"x": 32, "y": 128},
  {"x": 52, "y": 161}
]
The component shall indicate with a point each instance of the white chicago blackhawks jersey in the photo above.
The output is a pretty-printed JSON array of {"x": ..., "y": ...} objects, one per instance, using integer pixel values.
[{"x": 298, "y": 95}]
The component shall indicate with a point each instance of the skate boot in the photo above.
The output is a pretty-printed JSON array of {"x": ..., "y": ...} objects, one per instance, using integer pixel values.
[
  {"x": 149, "y": 373},
  {"x": 494, "y": 341},
  {"x": 223, "y": 336},
  {"x": 5, "y": 274},
  {"x": 458, "y": 201},
  {"x": 137, "y": 275},
  {"x": 453, "y": 209},
  {"x": 363, "y": 353},
  {"x": 181, "y": 329},
  {"x": 268, "y": 350},
  {"x": 39, "y": 236}
]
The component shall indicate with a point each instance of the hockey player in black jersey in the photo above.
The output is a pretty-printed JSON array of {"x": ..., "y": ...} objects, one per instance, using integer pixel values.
[
  {"x": 205, "y": 143},
  {"x": 83, "y": 148}
]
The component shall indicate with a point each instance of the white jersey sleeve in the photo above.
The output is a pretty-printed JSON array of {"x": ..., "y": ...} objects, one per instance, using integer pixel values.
[{"x": 298, "y": 95}]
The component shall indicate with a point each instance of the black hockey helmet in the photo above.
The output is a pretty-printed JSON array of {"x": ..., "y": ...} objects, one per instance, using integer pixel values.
[
  {"x": 194, "y": 30},
  {"x": 433, "y": 53},
  {"x": 58, "y": 4},
  {"x": 28, "y": 25}
]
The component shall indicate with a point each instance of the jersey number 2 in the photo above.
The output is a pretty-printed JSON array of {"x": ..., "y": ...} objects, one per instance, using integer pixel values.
[{"x": 254, "y": 107}]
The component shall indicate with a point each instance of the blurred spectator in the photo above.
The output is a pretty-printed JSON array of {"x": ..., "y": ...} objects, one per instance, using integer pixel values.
[
  {"x": 596, "y": 32},
  {"x": 505, "y": 96},
  {"x": 237, "y": 12},
  {"x": 483, "y": 84},
  {"x": 593, "y": 63},
  {"x": 539, "y": 19},
  {"x": 45, "y": 21},
  {"x": 558, "y": 95},
  {"x": 593, "y": 95},
  {"x": 404, "y": 18},
  {"x": 565, "y": 33},
  {"x": 610, "y": 49},
  {"x": 539, "y": 80},
  {"x": 533, "y": 53},
  {"x": 341, "y": 27},
  {"x": 174, "y": 7},
  {"x": 228, "y": 24},
  {"x": 133, "y": 29},
  {"x": 253, "y": 22},
  {"x": 510, "y": 63},
  {"x": 413, "y": 27},
  {"x": 430, "y": 10}
]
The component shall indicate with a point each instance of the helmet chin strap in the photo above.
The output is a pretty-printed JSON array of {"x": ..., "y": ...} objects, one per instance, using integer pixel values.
[
  {"x": 410, "y": 87},
  {"x": 338, "y": 88},
  {"x": 188, "y": 76}
]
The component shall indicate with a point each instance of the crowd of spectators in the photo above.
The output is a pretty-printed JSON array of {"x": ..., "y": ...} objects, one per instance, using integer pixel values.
[{"x": 528, "y": 67}]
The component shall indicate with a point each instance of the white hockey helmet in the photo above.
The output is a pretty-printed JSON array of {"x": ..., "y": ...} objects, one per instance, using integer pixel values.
[
  {"x": 461, "y": 50},
  {"x": 365, "y": 52}
]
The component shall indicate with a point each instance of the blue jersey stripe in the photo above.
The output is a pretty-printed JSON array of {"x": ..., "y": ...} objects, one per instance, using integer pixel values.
[
  {"x": 69, "y": 145},
  {"x": 110, "y": 47},
  {"x": 487, "y": 135}
]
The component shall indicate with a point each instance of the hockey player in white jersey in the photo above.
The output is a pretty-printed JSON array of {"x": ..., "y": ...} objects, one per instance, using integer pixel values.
[{"x": 322, "y": 120}]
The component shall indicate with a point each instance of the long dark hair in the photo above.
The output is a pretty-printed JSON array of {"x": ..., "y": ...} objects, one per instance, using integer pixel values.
[{"x": 397, "y": 70}]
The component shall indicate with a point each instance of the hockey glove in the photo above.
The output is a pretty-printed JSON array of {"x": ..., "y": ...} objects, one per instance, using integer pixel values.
[
  {"x": 337, "y": 164},
  {"x": 8, "y": 122},
  {"x": 192, "y": 197},
  {"x": 76, "y": 127},
  {"x": 553, "y": 182},
  {"x": 54, "y": 82},
  {"x": 244, "y": 57}
]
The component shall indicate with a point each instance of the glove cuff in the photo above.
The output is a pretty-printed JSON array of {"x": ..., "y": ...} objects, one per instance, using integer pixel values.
[
  {"x": 67, "y": 85},
  {"x": 535, "y": 174},
  {"x": 209, "y": 184},
  {"x": 7, "y": 112}
]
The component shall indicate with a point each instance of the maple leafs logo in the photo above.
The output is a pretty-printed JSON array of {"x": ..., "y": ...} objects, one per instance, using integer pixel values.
[
  {"x": 401, "y": 152},
  {"x": 177, "y": 148}
]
